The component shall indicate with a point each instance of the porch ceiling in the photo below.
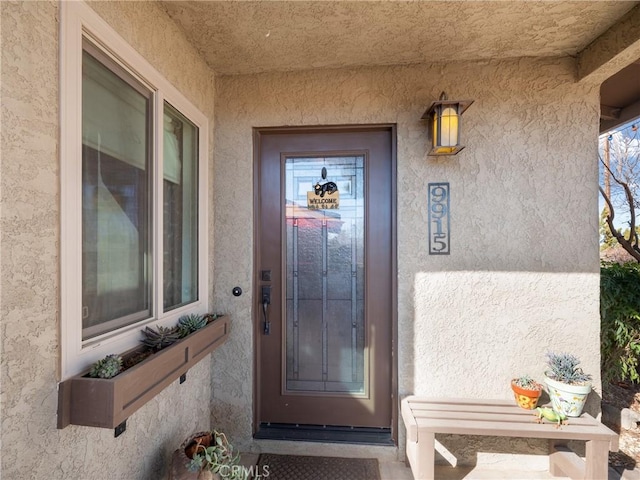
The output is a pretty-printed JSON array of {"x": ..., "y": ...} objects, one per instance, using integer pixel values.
[
  {"x": 246, "y": 37},
  {"x": 242, "y": 37}
]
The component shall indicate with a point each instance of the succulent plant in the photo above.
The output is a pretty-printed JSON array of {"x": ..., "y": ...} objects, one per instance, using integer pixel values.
[
  {"x": 190, "y": 323},
  {"x": 160, "y": 337},
  {"x": 563, "y": 367},
  {"x": 210, "y": 317},
  {"x": 527, "y": 383},
  {"x": 107, "y": 367},
  {"x": 215, "y": 454}
]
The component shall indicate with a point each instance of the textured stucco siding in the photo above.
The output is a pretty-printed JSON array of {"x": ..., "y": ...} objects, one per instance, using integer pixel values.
[
  {"x": 522, "y": 276},
  {"x": 32, "y": 447}
]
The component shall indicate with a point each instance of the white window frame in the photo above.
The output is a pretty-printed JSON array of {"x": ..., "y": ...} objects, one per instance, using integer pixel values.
[{"x": 78, "y": 21}]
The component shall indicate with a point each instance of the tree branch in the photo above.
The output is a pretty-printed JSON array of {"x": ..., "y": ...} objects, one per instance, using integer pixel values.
[{"x": 631, "y": 247}]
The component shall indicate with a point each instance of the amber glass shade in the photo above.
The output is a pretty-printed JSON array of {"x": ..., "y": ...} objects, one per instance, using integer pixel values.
[{"x": 444, "y": 118}]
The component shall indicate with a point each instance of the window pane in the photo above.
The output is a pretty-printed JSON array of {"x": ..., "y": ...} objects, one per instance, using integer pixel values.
[
  {"x": 116, "y": 192},
  {"x": 180, "y": 236}
]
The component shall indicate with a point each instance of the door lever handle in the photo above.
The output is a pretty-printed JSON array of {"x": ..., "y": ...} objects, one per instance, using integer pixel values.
[{"x": 266, "y": 301}]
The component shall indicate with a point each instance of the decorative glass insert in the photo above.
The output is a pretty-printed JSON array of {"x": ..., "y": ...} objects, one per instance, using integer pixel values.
[{"x": 325, "y": 253}]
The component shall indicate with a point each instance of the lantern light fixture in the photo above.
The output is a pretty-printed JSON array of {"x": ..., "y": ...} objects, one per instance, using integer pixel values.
[{"x": 444, "y": 125}]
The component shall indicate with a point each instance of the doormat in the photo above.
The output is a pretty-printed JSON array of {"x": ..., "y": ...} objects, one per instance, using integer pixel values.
[{"x": 297, "y": 467}]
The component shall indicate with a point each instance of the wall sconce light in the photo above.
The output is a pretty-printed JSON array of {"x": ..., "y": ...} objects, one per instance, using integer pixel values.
[{"x": 444, "y": 125}]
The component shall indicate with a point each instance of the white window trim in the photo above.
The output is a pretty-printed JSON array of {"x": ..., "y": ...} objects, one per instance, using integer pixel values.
[{"x": 78, "y": 20}]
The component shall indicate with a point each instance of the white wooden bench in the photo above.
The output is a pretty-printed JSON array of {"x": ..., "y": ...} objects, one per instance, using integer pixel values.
[{"x": 424, "y": 417}]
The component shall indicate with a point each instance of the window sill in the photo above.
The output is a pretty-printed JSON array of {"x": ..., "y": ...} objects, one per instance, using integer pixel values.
[{"x": 106, "y": 403}]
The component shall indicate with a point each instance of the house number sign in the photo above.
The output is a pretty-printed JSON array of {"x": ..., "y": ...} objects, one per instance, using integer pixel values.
[{"x": 438, "y": 218}]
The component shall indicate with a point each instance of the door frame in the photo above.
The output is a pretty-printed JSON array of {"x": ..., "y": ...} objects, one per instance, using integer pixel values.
[{"x": 257, "y": 235}]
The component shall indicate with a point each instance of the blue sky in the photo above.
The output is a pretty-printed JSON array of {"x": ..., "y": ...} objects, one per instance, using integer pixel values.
[{"x": 625, "y": 138}]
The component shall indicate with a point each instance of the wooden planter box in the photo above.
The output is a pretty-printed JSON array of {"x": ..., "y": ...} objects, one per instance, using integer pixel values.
[{"x": 106, "y": 403}]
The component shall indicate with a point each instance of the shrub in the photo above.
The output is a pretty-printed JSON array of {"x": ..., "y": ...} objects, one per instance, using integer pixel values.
[{"x": 620, "y": 321}]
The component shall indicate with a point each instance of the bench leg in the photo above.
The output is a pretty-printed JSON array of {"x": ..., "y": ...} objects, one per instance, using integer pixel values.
[
  {"x": 563, "y": 462},
  {"x": 597, "y": 459},
  {"x": 421, "y": 456}
]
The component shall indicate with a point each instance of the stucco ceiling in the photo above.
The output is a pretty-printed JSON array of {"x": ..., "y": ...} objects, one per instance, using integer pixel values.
[
  {"x": 245, "y": 37},
  {"x": 240, "y": 37}
]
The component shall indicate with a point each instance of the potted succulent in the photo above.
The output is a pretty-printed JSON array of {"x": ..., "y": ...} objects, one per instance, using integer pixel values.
[
  {"x": 107, "y": 367},
  {"x": 212, "y": 456},
  {"x": 526, "y": 391},
  {"x": 567, "y": 384}
]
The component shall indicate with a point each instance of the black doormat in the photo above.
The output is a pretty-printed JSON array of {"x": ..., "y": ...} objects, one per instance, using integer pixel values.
[{"x": 296, "y": 467}]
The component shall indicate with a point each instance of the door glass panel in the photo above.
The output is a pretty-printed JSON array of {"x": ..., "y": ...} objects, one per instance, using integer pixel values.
[{"x": 325, "y": 276}]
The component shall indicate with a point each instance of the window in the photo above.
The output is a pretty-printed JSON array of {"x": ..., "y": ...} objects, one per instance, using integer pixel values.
[
  {"x": 180, "y": 234},
  {"x": 117, "y": 187},
  {"x": 133, "y": 183}
]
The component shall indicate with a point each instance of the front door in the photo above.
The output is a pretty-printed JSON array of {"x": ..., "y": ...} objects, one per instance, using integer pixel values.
[{"x": 325, "y": 276}]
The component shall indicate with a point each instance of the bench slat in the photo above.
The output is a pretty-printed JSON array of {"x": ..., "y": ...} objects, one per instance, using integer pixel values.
[
  {"x": 449, "y": 402},
  {"x": 419, "y": 407},
  {"x": 528, "y": 416},
  {"x": 475, "y": 416},
  {"x": 533, "y": 430}
]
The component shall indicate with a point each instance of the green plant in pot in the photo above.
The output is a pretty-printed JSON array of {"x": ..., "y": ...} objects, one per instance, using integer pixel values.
[
  {"x": 160, "y": 337},
  {"x": 107, "y": 367},
  {"x": 213, "y": 457},
  {"x": 526, "y": 391},
  {"x": 188, "y": 324},
  {"x": 567, "y": 384}
]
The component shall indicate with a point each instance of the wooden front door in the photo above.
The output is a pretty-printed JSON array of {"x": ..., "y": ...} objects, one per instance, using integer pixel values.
[{"x": 325, "y": 276}]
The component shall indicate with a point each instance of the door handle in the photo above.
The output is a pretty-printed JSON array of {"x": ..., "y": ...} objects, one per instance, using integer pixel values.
[{"x": 266, "y": 301}]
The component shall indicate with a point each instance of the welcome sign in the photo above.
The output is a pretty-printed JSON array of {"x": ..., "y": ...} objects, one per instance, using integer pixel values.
[{"x": 324, "y": 197}]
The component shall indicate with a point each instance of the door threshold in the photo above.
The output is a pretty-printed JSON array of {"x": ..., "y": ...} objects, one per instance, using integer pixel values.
[{"x": 325, "y": 434}]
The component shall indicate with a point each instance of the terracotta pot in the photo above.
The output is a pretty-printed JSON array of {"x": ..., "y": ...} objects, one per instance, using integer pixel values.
[
  {"x": 525, "y": 398},
  {"x": 568, "y": 399},
  {"x": 189, "y": 446},
  {"x": 208, "y": 475},
  {"x": 183, "y": 455}
]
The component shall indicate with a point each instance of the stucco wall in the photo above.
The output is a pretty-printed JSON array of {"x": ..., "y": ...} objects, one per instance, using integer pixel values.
[
  {"x": 32, "y": 447},
  {"x": 522, "y": 276}
]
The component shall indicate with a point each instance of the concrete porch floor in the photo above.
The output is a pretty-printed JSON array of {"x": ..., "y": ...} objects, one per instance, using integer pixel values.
[{"x": 394, "y": 470}]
